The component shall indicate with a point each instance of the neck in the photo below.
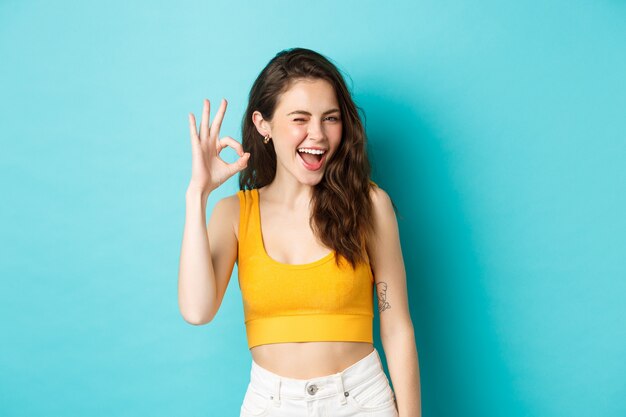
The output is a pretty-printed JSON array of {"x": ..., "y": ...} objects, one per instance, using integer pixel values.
[{"x": 287, "y": 191}]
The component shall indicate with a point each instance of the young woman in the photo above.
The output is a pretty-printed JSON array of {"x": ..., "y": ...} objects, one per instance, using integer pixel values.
[{"x": 313, "y": 237}]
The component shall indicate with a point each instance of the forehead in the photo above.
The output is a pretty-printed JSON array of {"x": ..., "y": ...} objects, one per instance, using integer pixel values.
[{"x": 312, "y": 94}]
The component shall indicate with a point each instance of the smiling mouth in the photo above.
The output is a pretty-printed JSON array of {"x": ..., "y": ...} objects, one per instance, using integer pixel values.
[
  {"x": 310, "y": 155},
  {"x": 312, "y": 159}
]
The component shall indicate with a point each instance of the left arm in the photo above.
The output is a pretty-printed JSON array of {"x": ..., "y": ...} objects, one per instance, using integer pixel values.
[{"x": 396, "y": 327}]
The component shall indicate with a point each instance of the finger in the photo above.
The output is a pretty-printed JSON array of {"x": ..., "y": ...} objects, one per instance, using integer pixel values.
[
  {"x": 239, "y": 164},
  {"x": 193, "y": 133},
  {"x": 217, "y": 122},
  {"x": 204, "y": 123},
  {"x": 228, "y": 141}
]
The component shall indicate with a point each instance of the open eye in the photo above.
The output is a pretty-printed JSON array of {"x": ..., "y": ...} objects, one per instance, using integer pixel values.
[{"x": 335, "y": 119}]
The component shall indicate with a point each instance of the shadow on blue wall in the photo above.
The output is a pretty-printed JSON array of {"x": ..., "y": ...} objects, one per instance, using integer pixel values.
[{"x": 457, "y": 343}]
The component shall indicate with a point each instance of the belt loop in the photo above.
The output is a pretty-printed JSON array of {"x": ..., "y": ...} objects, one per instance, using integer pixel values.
[
  {"x": 277, "y": 392},
  {"x": 341, "y": 392}
]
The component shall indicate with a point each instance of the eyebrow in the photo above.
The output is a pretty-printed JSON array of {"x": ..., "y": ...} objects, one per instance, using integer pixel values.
[{"x": 309, "y": 114}]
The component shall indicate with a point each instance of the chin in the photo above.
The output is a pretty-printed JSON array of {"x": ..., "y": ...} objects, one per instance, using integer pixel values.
[{"x": 311, "y": 181}]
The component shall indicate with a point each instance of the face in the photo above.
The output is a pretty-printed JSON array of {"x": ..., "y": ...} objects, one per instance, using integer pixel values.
[{"x": 307, "y": 117}]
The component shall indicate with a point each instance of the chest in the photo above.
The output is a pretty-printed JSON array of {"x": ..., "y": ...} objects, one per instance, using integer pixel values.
[{"x": 288, "y": 237}]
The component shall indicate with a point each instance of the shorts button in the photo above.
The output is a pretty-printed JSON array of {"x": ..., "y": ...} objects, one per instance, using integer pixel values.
[{"x": 312, "y": 389}]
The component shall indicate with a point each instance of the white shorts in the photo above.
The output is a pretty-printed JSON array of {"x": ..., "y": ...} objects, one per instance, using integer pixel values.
[{"x": 361, "y": 389}]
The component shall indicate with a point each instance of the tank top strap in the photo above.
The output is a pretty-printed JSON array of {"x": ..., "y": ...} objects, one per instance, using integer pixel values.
[{"x": 249, "y": 221}]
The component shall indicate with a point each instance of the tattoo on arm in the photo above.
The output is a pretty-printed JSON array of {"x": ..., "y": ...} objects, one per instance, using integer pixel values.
[{"x": 381, "y": 289}]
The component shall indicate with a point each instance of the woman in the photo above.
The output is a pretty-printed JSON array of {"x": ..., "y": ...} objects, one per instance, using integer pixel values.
[{"x": 312, "y": 236}]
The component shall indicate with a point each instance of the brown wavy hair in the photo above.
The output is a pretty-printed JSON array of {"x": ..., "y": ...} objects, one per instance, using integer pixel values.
[{"x": 341, "y": 215}]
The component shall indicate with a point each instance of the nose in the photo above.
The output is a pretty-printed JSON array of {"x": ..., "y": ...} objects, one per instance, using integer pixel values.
[{"x": 316, "y": 130}]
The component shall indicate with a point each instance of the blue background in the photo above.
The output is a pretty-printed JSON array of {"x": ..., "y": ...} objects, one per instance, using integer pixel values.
[{"x": 497, "y": 128}]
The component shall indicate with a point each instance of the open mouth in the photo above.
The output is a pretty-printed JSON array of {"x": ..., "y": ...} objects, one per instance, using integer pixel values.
[{"x": 312, "y": 159}]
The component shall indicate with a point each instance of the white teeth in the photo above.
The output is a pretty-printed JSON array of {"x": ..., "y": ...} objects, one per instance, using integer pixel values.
[{"x": 313, "y": 151}]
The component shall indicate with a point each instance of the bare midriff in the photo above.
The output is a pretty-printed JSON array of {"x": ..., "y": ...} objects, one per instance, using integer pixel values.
[{"x": 306, "y": 360}]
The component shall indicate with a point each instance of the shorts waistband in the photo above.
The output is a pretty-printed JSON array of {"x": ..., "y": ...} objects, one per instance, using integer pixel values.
[{"x": 277, "y": 386}]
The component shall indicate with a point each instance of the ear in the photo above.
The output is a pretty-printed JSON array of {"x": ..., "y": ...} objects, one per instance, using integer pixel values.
[{"x": 262, "y": 126}]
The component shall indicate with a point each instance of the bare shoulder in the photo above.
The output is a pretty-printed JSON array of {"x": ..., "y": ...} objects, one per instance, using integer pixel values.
[
  {"x": 383, "y": 222},
  {"x": 227, "y": 209},
  {"x": 381, "y": 202}
]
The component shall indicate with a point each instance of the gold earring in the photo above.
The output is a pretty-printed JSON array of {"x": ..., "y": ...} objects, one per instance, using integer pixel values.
[{"x": 266, "y": 139}]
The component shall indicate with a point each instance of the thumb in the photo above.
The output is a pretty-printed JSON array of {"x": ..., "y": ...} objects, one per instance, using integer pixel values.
[
  {"x": 239, "y": 164},
  {"x": 242, "y": 162}
]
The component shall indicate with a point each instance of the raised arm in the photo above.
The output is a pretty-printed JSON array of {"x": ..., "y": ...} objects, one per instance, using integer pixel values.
[{"x": 208, "y": 253}]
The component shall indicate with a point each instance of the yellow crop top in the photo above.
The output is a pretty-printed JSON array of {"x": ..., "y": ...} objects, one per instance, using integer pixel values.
[{"x": 316, "y": 301}]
